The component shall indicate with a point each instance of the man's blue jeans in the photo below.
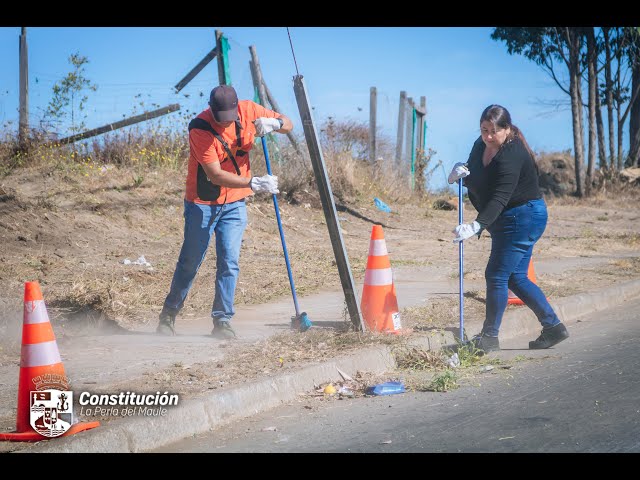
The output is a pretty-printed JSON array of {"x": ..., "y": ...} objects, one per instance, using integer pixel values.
[
  {"x": 228, "y": 222},
  {"x": 513, "y": 236}
]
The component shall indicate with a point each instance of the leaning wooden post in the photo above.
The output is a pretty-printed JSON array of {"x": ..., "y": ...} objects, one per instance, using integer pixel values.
[
  {"x": 195, "y": 70},
  {"x": 276, "y": 108},
  {"x": 114, "y": 126},
  {"x": 328, "y": 205},
  {"x": 262, "y": 94},
  {"x": 256, "y": 95},
  {"x": 373, "y": 105},
  {"x": 401, "y": 119}
]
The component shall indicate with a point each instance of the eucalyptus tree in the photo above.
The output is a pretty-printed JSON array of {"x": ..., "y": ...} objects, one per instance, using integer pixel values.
[{"x": 548, "y": 47}]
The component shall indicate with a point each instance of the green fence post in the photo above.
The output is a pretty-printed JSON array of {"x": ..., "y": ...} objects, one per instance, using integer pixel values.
[{"x": 413, "y": 149}]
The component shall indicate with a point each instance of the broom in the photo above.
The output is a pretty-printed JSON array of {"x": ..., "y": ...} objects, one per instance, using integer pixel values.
[{"x": 300, "y": 321}]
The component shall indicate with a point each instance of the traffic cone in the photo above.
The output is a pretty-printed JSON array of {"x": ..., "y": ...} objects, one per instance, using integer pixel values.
[
  {"x": 40, "y": 366},
  {"x": 379, "y": 305},
  {"x": 531, "y": 274}
]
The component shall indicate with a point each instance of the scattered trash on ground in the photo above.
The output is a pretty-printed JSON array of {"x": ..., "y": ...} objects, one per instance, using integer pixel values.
[
  {"x": 346, "y": 392},
  {"x": 387, "y": 388},
  {"x": 344, "y": 376},
  {"x": 140, "y": 261},
  {"x": 380, "y": 205},
  {"x": 329, "y": 389},
  {"x": 486, "y": 368},
  {"x": 453, "y": 360}
]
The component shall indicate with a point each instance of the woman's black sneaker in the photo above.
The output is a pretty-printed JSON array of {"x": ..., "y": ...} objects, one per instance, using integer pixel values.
[
  {"x": 550, "y": 337},
  {"x": 484, "y": 343}
]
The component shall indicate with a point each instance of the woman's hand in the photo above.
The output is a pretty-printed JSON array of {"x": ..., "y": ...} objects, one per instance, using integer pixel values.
[{"x": 465, "y": 231}]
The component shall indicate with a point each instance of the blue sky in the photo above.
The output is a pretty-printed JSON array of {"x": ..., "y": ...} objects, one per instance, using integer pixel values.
[{"x": 459, "y": 70}]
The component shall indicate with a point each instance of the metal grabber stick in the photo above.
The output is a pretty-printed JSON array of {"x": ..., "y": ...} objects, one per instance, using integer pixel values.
[
  {"x": 460, "y": 261},
  {"x": 301, "y": 320}
]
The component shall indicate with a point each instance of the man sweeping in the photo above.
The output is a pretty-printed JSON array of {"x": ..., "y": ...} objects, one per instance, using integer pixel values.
[{"x": 218, "y": 181}]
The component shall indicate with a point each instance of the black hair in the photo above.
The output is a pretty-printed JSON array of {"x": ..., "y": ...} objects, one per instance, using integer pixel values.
[{"x": 501, "y": 118}]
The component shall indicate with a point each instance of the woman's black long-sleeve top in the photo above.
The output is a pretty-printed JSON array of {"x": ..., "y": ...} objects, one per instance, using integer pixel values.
[{"x": 510, "y": 180}]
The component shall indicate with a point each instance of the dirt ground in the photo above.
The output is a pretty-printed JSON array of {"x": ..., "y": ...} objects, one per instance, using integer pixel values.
[{"x": 72, "y": 228}]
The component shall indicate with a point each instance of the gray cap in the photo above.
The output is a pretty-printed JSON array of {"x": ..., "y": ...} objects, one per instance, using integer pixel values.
[{"x": 224, "y": 103}]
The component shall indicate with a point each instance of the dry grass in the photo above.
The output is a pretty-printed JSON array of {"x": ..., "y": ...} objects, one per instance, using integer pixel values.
[
  {"x": 413, "y": 358},
  {"x": 120, "y": 197}
]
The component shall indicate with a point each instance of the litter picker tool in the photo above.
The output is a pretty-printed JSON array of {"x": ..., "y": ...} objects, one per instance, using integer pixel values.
[
  {"x": 301, "y": 320},
  {"x": 460, "y": 260}
]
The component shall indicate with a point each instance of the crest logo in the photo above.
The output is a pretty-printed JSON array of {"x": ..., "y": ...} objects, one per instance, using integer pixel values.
[{"x": 51, "y": 411}]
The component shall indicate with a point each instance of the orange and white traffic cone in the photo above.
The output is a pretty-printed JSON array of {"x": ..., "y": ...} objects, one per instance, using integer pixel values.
[
  {"x": 531, "y": 274},
  {"x": 41, "y": 370},
  {"x": 379, "y": 304}
]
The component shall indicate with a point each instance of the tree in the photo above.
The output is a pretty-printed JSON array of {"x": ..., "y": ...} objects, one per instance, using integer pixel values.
[
  {"x": 544, "y": 46},
  {"x": 68, "y": 95},
  {"x": 592, "y": 68},
  {"x": 609, "y": 93},
  {"x": 627, "y": 91},
  {"x": 634, "y": 118}
]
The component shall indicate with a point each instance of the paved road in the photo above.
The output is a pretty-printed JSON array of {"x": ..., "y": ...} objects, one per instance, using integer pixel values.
[{"x": 581, "y": 396}]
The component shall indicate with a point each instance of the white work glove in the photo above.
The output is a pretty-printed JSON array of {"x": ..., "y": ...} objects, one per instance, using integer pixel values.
[
  {"x": 266, "y": 183},
  {"x": 465, "y": 231},
  {"x": 266, "y": 125},
  {"x": 458, "y": 171}
]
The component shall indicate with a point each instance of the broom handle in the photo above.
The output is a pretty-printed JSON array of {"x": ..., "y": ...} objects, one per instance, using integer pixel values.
[{"x": 284, "y": 244}]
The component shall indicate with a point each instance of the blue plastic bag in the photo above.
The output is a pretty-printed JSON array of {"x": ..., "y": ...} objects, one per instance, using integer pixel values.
[
  {"x": 381, "y": 205},
  {"x": 387, "y": 388}
]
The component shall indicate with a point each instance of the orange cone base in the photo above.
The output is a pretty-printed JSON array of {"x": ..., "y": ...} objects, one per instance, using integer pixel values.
[
  {"x": 514, "y": 301},
  {"x": 36, "y": 437}
]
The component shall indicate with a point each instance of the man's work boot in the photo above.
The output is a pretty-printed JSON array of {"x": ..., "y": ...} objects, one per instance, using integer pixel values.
[
  {"x": 166, "y": 325},
  {"x": 222, "y": 330},
  {"x": 550, "y": 337},
  {"x": 482, "y": 343}
]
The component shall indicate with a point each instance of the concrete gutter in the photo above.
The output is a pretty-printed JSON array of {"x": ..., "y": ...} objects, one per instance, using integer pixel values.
[{"x": 209, "y": 412}]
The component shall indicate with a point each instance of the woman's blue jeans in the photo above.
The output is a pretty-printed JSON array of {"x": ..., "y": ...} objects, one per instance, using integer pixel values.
[
  {"x": 228, "y": 222},
  {"x": 513, "y": 236}
]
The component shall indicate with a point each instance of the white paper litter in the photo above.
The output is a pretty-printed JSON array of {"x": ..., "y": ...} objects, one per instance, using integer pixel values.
[{"x": 140, "y": 261}]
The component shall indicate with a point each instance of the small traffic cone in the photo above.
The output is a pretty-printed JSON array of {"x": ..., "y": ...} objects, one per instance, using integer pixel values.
[
  {"x": 379, "y": 304},
  {"x": 40, "y": 366},
  {"x": 531, "y": 274}
]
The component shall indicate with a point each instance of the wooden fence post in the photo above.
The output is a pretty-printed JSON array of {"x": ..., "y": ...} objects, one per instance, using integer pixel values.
[
  {"x": 408, "y": 132},
  {"x": 23, "y": 122},
  {"x": 401, "y": 119},
  {"x": 373, "y": 105},
  {"x": 421, "y": 121}
]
